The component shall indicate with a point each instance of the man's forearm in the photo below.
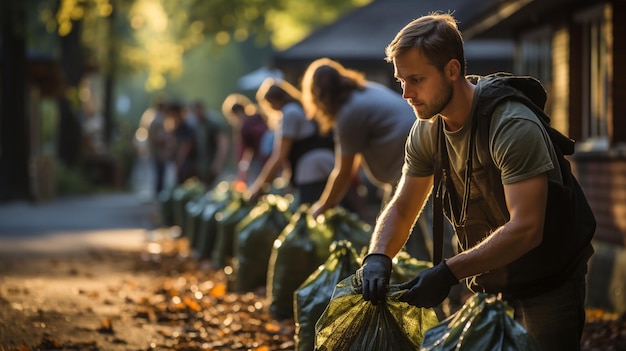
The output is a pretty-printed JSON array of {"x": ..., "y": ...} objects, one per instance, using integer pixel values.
[
  {"x": 391, "y": 231},
  {"x": 500, "y": 248}
]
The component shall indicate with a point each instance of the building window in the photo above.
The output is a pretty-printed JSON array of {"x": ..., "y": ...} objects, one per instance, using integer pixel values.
[
  {"x": 597, "y": 76},
  {"x": 534, "y": 56}
]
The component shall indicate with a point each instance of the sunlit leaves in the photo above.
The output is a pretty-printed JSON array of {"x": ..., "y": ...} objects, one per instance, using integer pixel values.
[
  {"x": 75, "y": 10},
  {"x": 154, "y": 35},
  {"x": 148, "y": 16},
  {"x": 294, "y": 20}
]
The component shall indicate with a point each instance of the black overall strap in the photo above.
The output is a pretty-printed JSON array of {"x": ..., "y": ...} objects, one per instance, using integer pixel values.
[{"x": 438, "y": 194}]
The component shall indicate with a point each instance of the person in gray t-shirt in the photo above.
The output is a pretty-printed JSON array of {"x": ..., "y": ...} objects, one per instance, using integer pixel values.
[
  {"x": 371, "y": 123},
  {"x": 298, "y": 144}
]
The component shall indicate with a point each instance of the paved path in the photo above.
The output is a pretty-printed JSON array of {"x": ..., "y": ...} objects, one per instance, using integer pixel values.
[{"x": 63, "y": 225}]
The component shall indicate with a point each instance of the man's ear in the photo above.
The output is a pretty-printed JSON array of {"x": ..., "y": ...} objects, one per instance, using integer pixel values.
[{"x": 453, "y": 69}]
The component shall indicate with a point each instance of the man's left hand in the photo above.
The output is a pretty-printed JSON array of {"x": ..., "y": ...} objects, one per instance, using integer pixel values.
[{"x": 429, "y": 288}]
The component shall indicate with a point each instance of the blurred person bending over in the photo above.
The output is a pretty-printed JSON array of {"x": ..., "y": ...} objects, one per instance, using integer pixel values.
[
  {"x": 298, "y": 144},
  {"x": 249, "y": 129},
  {"x": 211, "y": 147},
  {"x": 540, "y": 269},
  {"x": 370, "y": 122},
  {"x": 185, "y": 141}
]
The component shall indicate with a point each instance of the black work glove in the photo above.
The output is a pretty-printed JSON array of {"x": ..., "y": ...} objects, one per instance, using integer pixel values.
[
  {"x": 429, "y": 288},
  {"x": 375, "y": 273}
]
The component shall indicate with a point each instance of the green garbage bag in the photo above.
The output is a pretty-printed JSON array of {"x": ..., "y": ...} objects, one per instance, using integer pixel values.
[
  {"x": 194, "y": 210},
  {"x": 181, "y": 194},
  {"x": 314, "y": 294},
  {"x": 405, "y": 267},
  {"x": 298, "y": 251},
  {"x": 201, "y": 224},
  {"x": 166, "y": 207},
  {"x": 485, "y": 322},
  {"x": 255, "y": 236},
  {"x": 350, "y": 323},
  {"x": 226, "y": 220},
  {"x": 347, "y": 225}
]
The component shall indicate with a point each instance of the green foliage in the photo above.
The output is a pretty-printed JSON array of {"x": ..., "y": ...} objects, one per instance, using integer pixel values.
[
  {"x": 71, "y": 181},
  {"x": 154, "y": 35}
]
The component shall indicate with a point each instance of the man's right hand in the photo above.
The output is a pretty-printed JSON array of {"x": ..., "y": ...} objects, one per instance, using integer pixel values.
[{"x": 376, "y": 272}]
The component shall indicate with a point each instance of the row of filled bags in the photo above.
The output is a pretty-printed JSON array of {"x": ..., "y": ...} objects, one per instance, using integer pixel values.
[
  {"x": 271, "y": 243},
  {"x": 308, "y": 266}
]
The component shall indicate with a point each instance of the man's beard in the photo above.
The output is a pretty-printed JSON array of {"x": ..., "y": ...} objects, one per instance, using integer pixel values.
[{"x": 438, "y": 105}]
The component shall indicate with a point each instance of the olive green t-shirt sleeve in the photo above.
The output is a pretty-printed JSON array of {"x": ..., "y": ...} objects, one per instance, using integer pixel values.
[
  {"x": 420, "y": 149},
  {"x": 520, "y": 146}
]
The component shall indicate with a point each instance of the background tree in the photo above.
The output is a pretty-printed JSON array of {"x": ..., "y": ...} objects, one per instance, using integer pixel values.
[
  {"x": 14, "y": 129},
  {"x": 191, "y": 48}
]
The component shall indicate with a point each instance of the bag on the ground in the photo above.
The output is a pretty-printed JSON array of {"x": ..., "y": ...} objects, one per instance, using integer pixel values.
[
  {"x": 207, "y": 228},
  {"x": 166, "y": 207},
  {"x": 226, "y": 220},
  {"x": 182, "y": 194},
  {"x": 350, "y": 323},
  {"x": 255, "y": 236},
  {"x": 484, "y": 323},
  {"x": 348, "y": 226},
  {"x": 298, "y": 251},
  {"x": 314, "y": 294},
  {"x": 405, "y": 267},
  {"x": 195, "y": 208}
]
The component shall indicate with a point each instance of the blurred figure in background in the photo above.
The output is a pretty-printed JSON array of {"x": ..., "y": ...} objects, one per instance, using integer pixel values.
[
  {"x": 185, "y": 144},
  {"x": 298, "y": 144},
  {"x": 145, "y": 177},
  {"x": 371, "y": 123},
  {"x": 249, "y": 128},
  {"x": 162, "y": 142},
  {"x": 211, "y": 145}
]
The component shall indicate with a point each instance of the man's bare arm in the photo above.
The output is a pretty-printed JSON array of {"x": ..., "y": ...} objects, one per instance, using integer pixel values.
[{"x": 393, "y": 226}]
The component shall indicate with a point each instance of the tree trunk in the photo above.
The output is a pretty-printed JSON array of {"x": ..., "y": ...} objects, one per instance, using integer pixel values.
[
  {"x": 109, "y": 81},
  {"x": 70, "y": 133},
  {"x": 14, "y": 121}
]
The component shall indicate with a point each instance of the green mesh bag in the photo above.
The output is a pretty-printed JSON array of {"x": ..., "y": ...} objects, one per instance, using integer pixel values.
[
  {"x": 350, "y": 323},
  {"x": 314, "y": 294},
  {"x": 484, "y": 323}
]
